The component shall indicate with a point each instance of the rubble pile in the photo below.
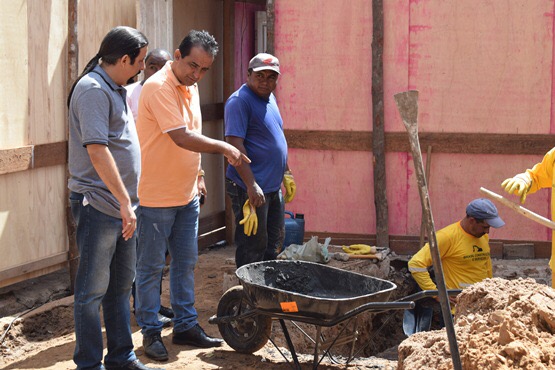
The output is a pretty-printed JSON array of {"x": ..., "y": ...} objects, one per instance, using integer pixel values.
[{"x": 500, "y": 324}]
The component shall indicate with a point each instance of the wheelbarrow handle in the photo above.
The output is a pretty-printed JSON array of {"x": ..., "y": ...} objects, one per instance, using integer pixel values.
[{"x": 428, "y": 293}]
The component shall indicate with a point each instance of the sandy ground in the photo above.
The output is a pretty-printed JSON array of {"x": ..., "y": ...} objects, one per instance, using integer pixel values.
[{"x": 44, "y": 338}]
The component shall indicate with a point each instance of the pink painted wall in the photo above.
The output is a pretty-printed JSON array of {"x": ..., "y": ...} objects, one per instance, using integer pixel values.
[{"x": 479, "y": 66}]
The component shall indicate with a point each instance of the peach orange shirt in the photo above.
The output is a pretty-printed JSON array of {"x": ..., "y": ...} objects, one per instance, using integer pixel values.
[{"x": 169, "y": 173}]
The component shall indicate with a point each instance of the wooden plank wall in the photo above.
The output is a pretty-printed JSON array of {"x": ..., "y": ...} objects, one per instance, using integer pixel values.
[
  {"x": 32, "y": 202},
  {"x": 484, "y": 72},
  {"x": 33, "y": 147}
]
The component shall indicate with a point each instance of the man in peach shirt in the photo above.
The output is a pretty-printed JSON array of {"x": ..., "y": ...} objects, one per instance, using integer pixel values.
[{"x": 169, "y": 126}]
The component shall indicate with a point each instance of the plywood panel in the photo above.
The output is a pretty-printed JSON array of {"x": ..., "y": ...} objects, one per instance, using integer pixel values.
[
  {"x": 32, "y": 215},
  {"x": 325, "y": 59},
  {"x": 245, "y": 35},
  {"x": 14, "y": 63},
  {"x": 203, "y": 15},
  {"x": 96, "y": 18},
  {"x": 334, "y": 190},
  {"x": 155, "y": 20},
  {"x": 455, "y": 180},
  {"x": 482, "y": 66},
  {"x": 47, "y": 71}
]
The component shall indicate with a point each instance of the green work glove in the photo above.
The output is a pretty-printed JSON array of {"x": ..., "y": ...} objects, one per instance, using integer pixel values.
[
  {"x": 518, "y": 185},
  {"x": 250, "y": 219},
  {"x": 290, "y": 186}
]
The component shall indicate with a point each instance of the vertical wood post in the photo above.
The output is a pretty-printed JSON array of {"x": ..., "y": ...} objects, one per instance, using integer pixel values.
[
  {"x": 378, "y": 136},
  {"x": 270, "y": 25},
  {"x": 229, "y": 78},
  {"x": 72, "y": 73}
]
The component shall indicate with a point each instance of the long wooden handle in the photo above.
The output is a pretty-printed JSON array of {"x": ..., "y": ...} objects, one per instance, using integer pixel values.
[{"x": 519, "y": 209}]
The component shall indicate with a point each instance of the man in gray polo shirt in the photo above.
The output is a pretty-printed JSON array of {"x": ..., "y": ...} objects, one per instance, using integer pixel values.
[{"x": 104, "y": 166}]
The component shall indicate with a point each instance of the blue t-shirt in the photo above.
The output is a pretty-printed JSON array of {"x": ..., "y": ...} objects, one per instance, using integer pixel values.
[{"x": 259, "y": 123}]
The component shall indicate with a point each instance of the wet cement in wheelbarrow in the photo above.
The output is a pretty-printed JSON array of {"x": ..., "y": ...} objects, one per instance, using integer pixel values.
[{"x": 314, "y": 280}]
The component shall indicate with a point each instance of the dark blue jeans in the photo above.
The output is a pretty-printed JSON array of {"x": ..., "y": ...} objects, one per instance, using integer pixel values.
[
  {"x": 268, "y": 241},
  {"x": 173, "y": 229},
  {"x": 104, "y": 276}
]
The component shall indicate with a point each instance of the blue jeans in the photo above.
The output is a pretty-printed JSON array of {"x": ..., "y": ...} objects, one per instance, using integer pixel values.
[
  {"x": 104, "y": 277},
  {"x": 268, "y": 241},
  {"x": 174, "y": 229}
]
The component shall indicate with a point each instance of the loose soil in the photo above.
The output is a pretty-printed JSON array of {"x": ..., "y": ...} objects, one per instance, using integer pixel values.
[
  {"x": 499, "y": 324},
  {"x": 44, "y": 338}
]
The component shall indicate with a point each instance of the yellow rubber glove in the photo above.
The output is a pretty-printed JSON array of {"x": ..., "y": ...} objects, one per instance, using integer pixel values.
[
  {"x": 359, "y": 249},
  {"x": 290, "y": 186},
  {"x": 518, "y": 185},
  {"x": 250, "y": 219}
]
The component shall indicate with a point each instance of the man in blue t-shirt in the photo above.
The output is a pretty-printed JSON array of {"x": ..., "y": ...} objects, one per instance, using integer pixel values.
[{"x": 253, "y": 124}]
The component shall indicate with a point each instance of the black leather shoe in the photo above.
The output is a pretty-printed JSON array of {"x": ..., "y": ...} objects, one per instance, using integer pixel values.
[
  {"x": 166, "y": 311},
  {"x": 133, "y": 365},
  {"x": 196, "y": 337},
  {"x": 154, "y": 347}
]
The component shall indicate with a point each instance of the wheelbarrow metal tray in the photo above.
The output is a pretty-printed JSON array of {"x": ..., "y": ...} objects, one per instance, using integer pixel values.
[{"x": 313, "y": 290}]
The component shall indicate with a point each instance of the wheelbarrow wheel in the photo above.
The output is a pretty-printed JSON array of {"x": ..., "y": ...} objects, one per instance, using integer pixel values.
[{"x": 244, "y": 335}]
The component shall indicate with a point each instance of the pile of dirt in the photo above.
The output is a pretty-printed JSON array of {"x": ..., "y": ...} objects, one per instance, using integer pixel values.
[{"x": 500, "y": 324}]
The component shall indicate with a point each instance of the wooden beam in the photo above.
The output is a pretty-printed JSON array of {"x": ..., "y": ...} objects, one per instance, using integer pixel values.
[
  {"x": 378, "y": 117},
  {"x": 72, "y": 74},
  {"x": 212, "y": 222},
  {"x": 229, "y": 81},
  {"x": 270, "y": 26},
  {"x": 460, "y": 143},
  {"x": 212, "y": 112},
  {"x": 51, "y": 154},
  {"x": 33, "y": 266},
  {"x": 32, "y": 156}
]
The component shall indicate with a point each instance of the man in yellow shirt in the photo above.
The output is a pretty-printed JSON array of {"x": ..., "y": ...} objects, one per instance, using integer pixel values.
[
  {"x": 463, "y": 247},
  {"x": 532, "y": 180}
]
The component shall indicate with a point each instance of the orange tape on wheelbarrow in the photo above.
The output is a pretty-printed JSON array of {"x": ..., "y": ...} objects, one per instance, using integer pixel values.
[{"x": 289, "y": 306}]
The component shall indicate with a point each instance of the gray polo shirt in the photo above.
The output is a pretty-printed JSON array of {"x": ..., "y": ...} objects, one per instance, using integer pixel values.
[{"x": 98, "y": 114}]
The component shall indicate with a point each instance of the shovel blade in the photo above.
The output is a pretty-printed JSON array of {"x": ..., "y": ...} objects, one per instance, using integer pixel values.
[{"x": 407, "y": 104}]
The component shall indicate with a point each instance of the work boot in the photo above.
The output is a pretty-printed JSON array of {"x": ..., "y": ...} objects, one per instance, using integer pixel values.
[
  {"x": 196, "y": 337},
  {"x": 154, "y": 347}
]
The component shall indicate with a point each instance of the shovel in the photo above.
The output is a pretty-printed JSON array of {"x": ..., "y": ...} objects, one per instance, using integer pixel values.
[{"x": 407, "y": 103}]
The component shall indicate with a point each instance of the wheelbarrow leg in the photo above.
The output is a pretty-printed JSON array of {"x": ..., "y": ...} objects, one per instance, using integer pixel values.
[
  {"x": 315, "y": 362},
  {"x": 290, "y": 344}
]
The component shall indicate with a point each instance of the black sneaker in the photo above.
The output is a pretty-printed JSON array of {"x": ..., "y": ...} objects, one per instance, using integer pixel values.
[
  {"x": 196, "y": 337},
  {"x": 154, "y": 347},
  {"x": 166, "y": 311}
]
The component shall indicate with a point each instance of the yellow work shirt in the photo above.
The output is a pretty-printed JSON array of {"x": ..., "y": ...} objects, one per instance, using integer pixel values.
[{"x": 465, "y": 259}]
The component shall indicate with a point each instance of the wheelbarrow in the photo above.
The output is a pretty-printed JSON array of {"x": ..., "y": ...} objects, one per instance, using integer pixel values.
[{"x": 298, "y": 291}]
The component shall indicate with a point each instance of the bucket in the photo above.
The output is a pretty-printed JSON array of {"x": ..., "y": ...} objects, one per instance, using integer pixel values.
[{"x": 294, "y": 229}]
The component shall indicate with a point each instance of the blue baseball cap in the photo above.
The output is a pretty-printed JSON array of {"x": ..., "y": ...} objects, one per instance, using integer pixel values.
[{"x": 484, "y": 209}]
